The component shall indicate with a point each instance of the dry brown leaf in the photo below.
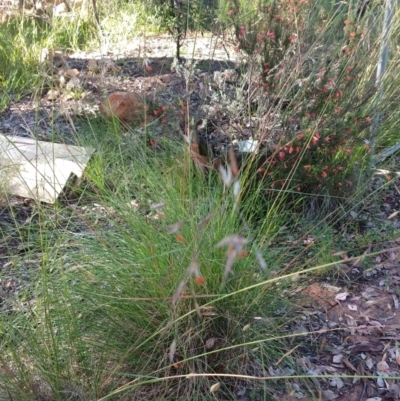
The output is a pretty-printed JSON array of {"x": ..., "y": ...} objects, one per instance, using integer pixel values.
[
  {"x": 93, "y": 66},
  {"x": 349, "y": 364},
  {"x": 367, "y": 346},
  {"x": 383, "y": 367},
  {"x": 127, "y": 106},
  {"x": 198, "y": 159},
  {"x": 71, "y": 72}
]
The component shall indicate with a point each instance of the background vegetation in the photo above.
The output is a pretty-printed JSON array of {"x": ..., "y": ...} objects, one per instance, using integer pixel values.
[{"x": 168, "y": 274}]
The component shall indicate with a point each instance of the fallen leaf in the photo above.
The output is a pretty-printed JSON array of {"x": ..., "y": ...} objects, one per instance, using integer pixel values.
[
  {"x": 367, "y": 346},
  {"x": 382, "y": 367},
  {"x": 337, "y": 358},
  {"x": 352, "y": 307},
  {"x": 71, "y": 72},
  {"x": 369, "y": 363},
  {"x": 349, "y": 364},
  {"x": 93, "y": 66},
  {"x": 375, "y": 323},
  {"x": 341, "y": 296},
  {"x": 329, "y": 395},
  {"x": 337, "y": 382},
  {"x": 53, "y": 94},
  {"x": 126, "y": 106},
  {"x": 380, "y": 382}
]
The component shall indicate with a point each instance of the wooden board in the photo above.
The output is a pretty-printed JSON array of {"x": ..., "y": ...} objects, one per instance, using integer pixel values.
[{"x": 39, "y": 170}]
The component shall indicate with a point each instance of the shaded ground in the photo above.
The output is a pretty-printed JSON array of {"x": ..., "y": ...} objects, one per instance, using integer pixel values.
[
  {"x": 351, "y": 320},
  {"x": 146, "y": 67}
]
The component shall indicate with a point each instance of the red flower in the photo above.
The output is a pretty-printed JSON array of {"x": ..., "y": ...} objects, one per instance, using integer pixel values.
[
  {"x": 271, "y": 35},
  {"x": 316, "y": 138},
  {"x": 324, "y": 175},
  {"x": 339, "y": 94}
]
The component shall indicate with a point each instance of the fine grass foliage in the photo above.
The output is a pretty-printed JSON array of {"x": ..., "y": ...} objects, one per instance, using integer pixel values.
[{"x": 120, "y": 303}]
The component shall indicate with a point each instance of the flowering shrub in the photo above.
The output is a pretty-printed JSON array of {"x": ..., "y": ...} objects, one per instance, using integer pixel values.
[{"x": 320, "y": 143}]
